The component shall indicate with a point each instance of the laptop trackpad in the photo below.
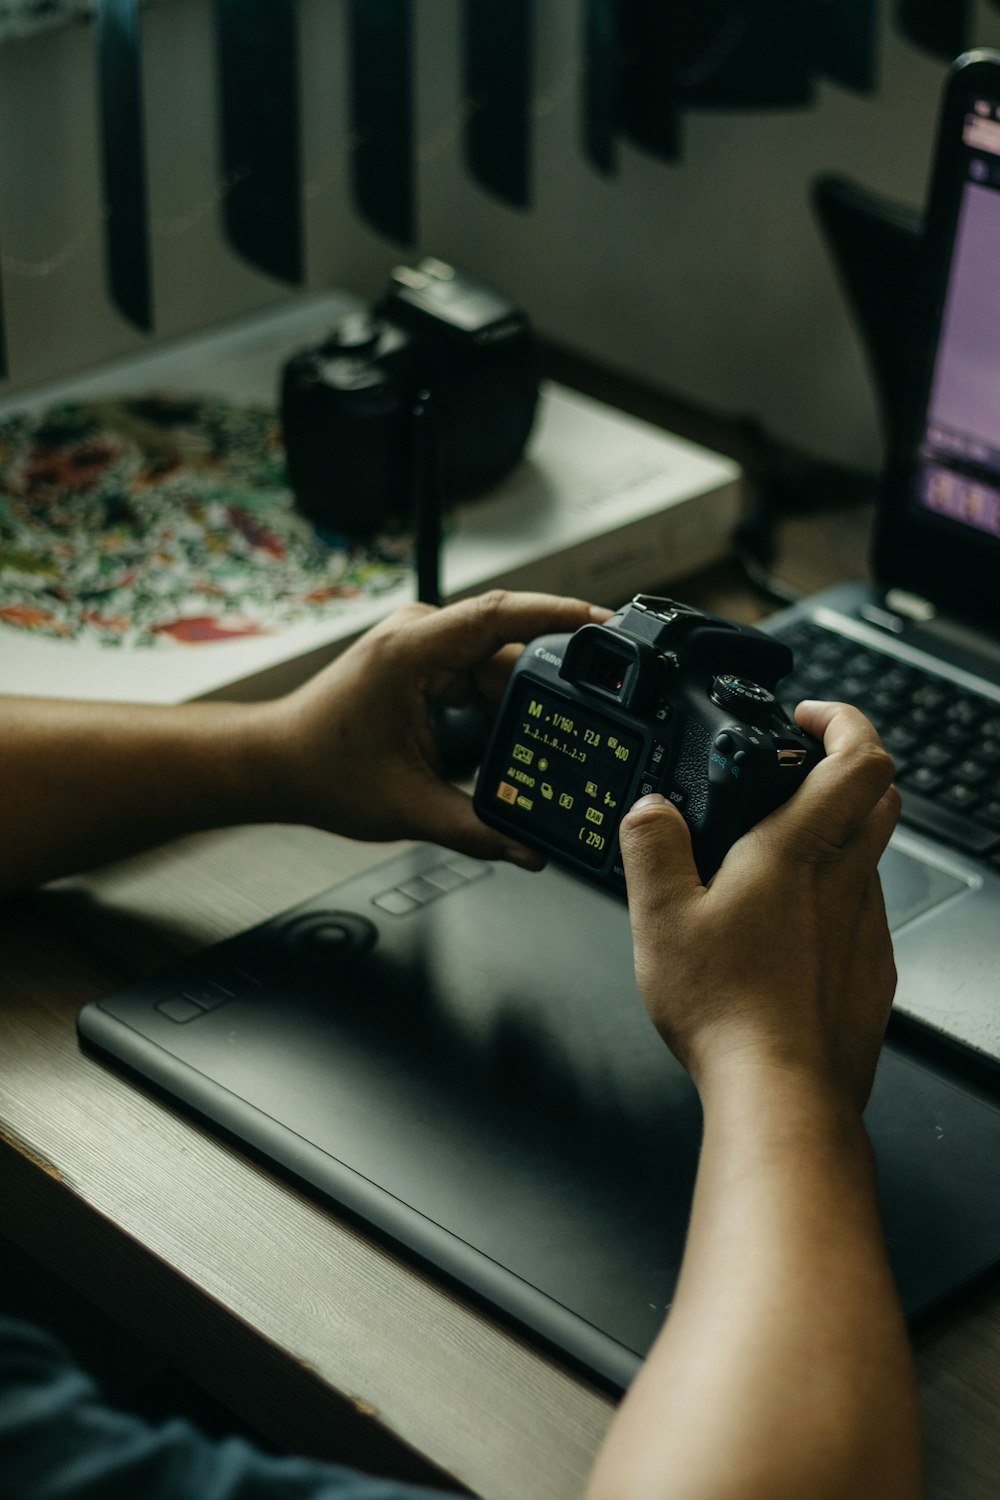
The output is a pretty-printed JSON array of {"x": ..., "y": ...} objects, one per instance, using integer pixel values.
[{"x": 911, "y": 886}]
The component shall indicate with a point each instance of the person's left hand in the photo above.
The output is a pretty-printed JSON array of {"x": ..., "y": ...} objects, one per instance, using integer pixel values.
[{"x": 353, "y": 751}]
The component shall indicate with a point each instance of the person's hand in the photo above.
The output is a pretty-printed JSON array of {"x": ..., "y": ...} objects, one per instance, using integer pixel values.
[
  {"x": 784, "y": 959},
  {"x": 353, "y": 749}
]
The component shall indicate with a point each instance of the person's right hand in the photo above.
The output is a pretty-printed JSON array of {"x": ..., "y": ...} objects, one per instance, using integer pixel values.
[{"x": 784, "y": 960}]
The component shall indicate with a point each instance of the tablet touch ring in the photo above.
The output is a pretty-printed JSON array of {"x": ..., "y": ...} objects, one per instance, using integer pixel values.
[{"x": 340, "y": 934}]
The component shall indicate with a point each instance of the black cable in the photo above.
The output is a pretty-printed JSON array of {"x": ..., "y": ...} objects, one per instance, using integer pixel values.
[{"x": 426, "y": 486}]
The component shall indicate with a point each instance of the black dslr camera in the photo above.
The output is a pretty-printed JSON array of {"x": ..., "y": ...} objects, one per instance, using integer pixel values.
[
  {"x": 347, "y": 406},
  {"x": 662, "y": 698}
]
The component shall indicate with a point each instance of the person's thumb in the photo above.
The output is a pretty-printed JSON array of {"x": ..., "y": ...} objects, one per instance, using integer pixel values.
[{"x": 660, "y": 871}]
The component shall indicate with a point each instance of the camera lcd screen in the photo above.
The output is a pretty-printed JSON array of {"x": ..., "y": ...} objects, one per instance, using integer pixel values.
[{"x": 565, "y": 771}]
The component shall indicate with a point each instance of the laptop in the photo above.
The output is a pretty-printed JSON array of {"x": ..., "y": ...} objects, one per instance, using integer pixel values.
[{"x": 919, "y": 649}]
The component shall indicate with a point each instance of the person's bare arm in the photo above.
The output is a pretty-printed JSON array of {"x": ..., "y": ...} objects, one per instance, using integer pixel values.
[
  {"x": 783, "y": 1369},
  {"x": 350, "y": 751}
]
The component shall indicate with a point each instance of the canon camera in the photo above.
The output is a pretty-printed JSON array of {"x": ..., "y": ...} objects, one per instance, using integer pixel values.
[
  {"x": 661, "y": 698},
  {"x": 347, "y": 405}
]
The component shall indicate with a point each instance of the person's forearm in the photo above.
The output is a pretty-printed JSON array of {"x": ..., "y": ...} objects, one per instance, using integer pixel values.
[
  {"x": 85, "y": 783},
  {"x": 784, "y": 1368}
]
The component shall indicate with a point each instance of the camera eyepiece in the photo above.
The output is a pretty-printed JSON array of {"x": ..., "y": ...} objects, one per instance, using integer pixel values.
[{"x": 604, "y": 662}]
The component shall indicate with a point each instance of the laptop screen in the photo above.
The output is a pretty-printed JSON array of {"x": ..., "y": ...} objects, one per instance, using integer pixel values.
[
  {"x": 958, "y": 471},
  {"x": 938, "y": 526}
]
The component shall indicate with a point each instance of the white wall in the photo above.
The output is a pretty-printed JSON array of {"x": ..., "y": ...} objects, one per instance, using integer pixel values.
[{"x": 707, "y": 278}]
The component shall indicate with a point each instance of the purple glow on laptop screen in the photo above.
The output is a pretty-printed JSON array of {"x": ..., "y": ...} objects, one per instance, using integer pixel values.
[{"x": 959, "y": 473}]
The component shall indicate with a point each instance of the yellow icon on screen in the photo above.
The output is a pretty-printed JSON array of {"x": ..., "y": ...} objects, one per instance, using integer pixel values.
[
  {"x": 591, "y": 788},
  {"x": 522, "y": 753},
  {"x": 506, "y": 792},
  {"x": 546, "y": 791},
  {"x": 565, "y": 800}
]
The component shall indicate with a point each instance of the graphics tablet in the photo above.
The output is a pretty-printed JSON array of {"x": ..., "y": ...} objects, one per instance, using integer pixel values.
[{"x": 456, "y": 1054}]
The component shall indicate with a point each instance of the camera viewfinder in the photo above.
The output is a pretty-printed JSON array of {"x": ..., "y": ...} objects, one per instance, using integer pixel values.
[
  {"x": 608, "y": 671},
  {"x": 596, "y": 660}
]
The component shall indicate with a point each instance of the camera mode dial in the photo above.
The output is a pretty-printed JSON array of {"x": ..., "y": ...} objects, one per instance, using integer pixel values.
[{"x": 744, "y": 698}]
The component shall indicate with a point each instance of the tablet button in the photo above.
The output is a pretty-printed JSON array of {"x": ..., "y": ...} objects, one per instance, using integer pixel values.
[
  {"x": 445, "y": 878},
  {"x": 208, "y": 996},
  {"x": 178, "y": 1009},
  {"x": 394, "y": 902},
  {"x": 420, "y": 890}
]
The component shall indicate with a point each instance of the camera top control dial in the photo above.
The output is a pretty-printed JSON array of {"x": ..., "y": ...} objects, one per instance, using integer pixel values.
[
  {"x": 744, "y": 698},
  {"x": 357, "y": 333}
]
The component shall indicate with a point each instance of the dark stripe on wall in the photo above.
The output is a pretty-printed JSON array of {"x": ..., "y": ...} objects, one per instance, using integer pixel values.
[
  {"x": 258, "y": 72},
  {"x": 846, "y": 34},
  {"x": 497, "y": 46},
  {"x": 123, "y": 160},
  {"x": 380, "y": 66},
  {"x": 599, "y": 103}
]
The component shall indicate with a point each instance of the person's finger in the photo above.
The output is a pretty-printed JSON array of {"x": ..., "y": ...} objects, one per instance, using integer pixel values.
[
  {"x": 874, "y": 834},
  {"x": 444, "y": 815},
  {"x": 873, "y": 937},
  {"x": 838, "y": 725},
  {"x": 660, "y": 872},
  {"x": 492, "y": 676},
  {"x": 838, "y": 794},
  {"x": 461, "y": 635}
]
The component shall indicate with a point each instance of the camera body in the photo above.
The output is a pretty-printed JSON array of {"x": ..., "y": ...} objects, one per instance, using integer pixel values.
[
  {"x": 347, "y": 405},
  {"x": 661, "y": 698}
]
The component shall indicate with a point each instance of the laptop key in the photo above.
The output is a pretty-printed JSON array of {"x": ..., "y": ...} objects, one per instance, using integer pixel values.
[
  {"x": 899, "y": 737},
  {"x": 886, "y": 702},
  {"x": 971, "y": 772},
  {"x": 920, "y": 778},
  {"x": 959, "y": 796},
  {"x": 960, "y": 734},
  {"x": 933, "y": 754},
  {"x": 965, "y": 711},
  {"x": 930, "y": 695},
  {"x": 969, "y": 835}
]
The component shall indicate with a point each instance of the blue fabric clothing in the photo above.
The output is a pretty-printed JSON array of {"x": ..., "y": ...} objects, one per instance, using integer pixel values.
[{"x": 60, "y": 1441}]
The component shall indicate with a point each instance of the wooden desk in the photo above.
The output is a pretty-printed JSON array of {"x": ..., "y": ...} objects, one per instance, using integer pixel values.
[{"x": 324, "y": 1339}]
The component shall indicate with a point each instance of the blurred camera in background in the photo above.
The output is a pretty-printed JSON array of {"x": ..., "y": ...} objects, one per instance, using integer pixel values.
[{"x": 347, "y": 405}]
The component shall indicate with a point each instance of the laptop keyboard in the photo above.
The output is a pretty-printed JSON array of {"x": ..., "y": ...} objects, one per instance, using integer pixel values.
[{"x": 945, "y": 740}]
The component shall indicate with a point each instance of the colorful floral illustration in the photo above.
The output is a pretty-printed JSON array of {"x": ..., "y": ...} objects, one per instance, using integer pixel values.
[{"x": 160, "y": 521}]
